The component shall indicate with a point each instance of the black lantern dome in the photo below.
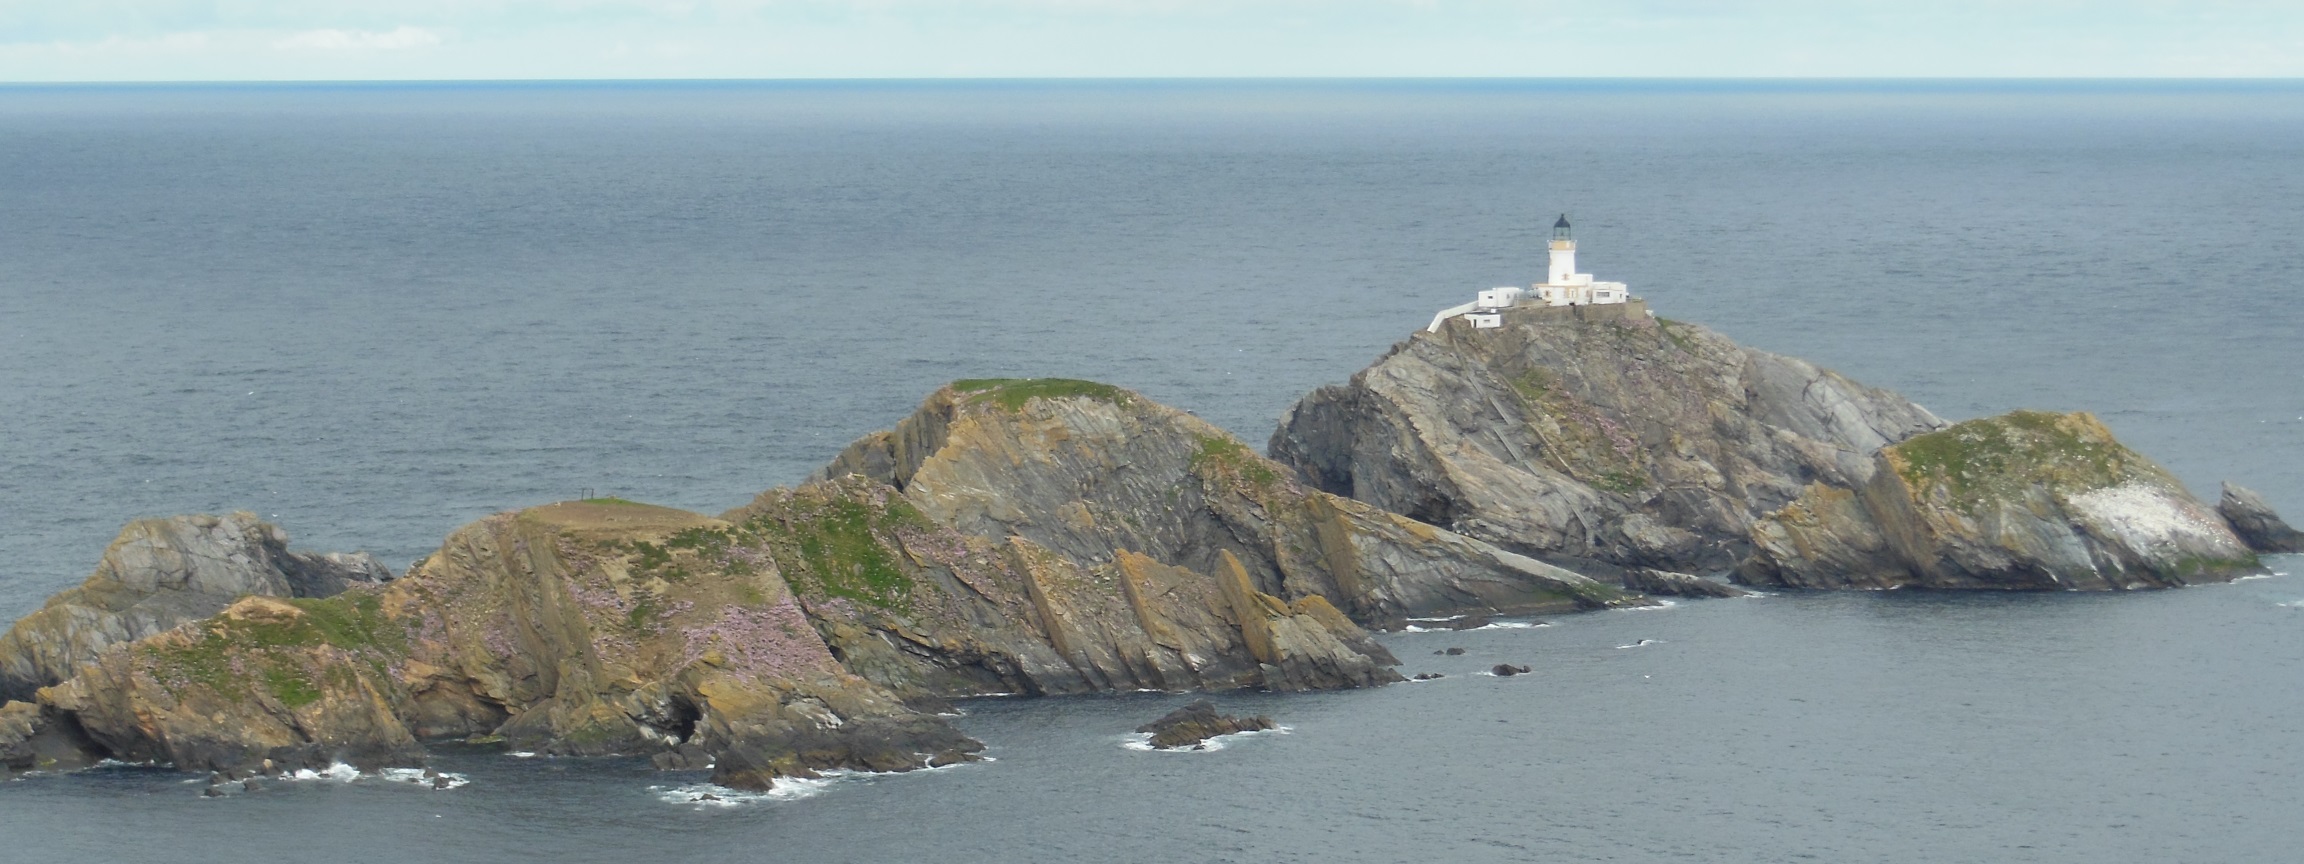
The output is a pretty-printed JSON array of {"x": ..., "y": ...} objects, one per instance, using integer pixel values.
[{"x": 1560, "y": 228}]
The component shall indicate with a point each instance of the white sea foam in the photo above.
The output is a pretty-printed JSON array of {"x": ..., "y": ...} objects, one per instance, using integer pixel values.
[
  {"x": 1496, "y": 625},
  {"x": 416, "y": 775},
  {"x": 704, "y": 795},
  {"x": 1142, "y": 741},
  {"x": 521, "y": 754},
  {"x": 1641, "y": 643},
  {"x": 1661, "y": 604},
  {"x": 338, "y": 771},
  {"x": 2292, "y": 604}
]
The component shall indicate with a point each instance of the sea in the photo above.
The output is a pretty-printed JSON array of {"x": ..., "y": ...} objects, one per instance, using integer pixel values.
[{"x": 372, "y": 313}]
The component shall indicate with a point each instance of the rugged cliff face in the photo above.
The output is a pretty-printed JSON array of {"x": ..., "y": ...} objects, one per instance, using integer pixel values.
[
  {"x": 1595, "y": 433},
  {"x": 582, "y": 628},
  {"x": 160, "y": 573},
  {"x": 2026, "y": 500},
  {"x": 1094, "y": 474},
  {"x": 931, "y": 612}
]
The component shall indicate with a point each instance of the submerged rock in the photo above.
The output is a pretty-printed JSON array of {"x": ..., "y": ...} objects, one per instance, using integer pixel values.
[
  {"x": 160, "y": 573},
  {"x": 1507, "y": 670},
  {"x": 1591, "y": 433},
  {"x": 2026, "y": 500},
  {"x": 1664, "y": 582},
  {"x": 1192, "y": 725},
  {"x": 2252, "y": 518}
]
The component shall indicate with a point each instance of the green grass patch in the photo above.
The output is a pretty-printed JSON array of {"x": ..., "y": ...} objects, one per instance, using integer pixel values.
[
  {"x": 613, "y": 501},
  {"x": 1223, "y": 454},
  {"x": 2000, "y": 458},
  {"x": 1012, "y": 393},
  {"x": 290, "y": 686},
  {"x": 837, "y": 545},
  {"x": 272, "y": 651}
]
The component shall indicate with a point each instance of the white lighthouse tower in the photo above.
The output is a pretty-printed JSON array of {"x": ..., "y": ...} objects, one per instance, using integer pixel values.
[{"x": 1563, "y": 271}]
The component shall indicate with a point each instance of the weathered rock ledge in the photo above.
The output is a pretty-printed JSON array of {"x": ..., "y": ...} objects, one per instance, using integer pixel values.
[
  {"x": 160, "y": 573},
  {"x": 2253, "y": 519},
  {"x": 2026, "y": 501}
]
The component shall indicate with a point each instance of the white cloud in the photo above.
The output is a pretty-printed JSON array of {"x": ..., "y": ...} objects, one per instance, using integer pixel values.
[{"x": 400, "y": 39}]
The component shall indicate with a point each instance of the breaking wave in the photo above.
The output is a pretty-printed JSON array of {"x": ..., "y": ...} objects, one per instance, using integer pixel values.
[
  {"x": 712, "y": 795},
  {"x": 1142, "y": 741}
]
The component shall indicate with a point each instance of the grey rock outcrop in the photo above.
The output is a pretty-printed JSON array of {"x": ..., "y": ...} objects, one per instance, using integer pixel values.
[
  {"x": 1087, "y": 472},
  {"x": 1595, "y": 433},
  {"x": 36, "y": 738},
  {"x": 2252, "y": 518},
  {"x": 160, "y": 573},
  {"x": 1665, "y": 583},
  {"x": 1191, "y": 726},
  {"x": 2024, "y": 501}
]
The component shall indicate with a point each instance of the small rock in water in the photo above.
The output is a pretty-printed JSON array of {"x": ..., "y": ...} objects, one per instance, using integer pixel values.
[
  {"x": 1506, "y": 670},
  {"x": 211, "y": 792},
  {"x": 1455, "y": 652},
  {"x": 1194, "y": 724},
  {"x": 707, "y": 797},
  {"x": 950, "y": 757},
  {"x": 439, "y": 782},
  {"x": 251, "y": 785},
  {"x": 1427, "y": 676}
]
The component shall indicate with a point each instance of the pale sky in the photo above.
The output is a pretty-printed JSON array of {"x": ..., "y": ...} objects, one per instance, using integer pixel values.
[{"x": 237, "y": 40}]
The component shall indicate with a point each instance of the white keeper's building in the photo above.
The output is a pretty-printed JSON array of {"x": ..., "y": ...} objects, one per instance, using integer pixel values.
[{"x": 1562, "y": 286}]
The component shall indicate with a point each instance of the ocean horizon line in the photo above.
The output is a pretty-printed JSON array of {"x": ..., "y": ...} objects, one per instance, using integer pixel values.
[{"x": 1630, "y": 82}]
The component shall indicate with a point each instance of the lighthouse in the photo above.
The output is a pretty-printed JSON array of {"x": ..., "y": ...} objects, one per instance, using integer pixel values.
[
  {"x": 1562, "y": 286},
  {"x": 1563, "y": 270}
]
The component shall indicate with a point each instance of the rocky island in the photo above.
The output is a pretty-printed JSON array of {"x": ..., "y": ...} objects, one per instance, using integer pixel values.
[
  {"x": 1607, "y": 440},
  {"x": 1038, "y": 537},
  {"x": 1051, "y": 536}
]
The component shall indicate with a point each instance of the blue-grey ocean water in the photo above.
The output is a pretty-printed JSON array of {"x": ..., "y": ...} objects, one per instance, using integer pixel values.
[{"x": 372, "y": 313}]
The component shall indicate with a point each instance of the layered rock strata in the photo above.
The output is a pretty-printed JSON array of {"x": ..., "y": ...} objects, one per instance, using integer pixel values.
[
  {"x": 2253, "y": 519},
  {"x": 1573, "y": 436},
  {"x": 1092, "y": 474},
  {"x": 1670, "y": 584},
  {"x": 160, "y": 573},
  {"x": 2027, "y": 500},
  {"x": 582, "y": 628}
]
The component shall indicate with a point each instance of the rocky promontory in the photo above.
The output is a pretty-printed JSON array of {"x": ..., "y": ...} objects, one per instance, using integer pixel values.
[
  {"x": 1647, "y": 450},
  {"x": 160, "y": 573},
  {"x": 1591, "y": 434},
  {"x": 2025, "y": 500}
]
